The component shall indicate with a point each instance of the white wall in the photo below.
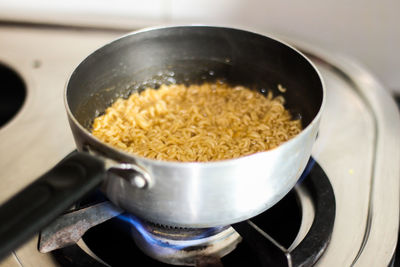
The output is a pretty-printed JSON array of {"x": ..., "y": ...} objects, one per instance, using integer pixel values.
[{"x": 368, "y": 30}]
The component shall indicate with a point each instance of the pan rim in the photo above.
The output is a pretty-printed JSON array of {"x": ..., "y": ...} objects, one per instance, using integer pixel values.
[{"x": 211, "y": 164}]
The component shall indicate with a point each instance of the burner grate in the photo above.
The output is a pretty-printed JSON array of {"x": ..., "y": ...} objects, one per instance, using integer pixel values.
[{"x": 273, "y": 253}]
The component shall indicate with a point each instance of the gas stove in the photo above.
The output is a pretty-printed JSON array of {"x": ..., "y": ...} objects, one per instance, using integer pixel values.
[
  {"x": 357, "y": 152},
  {"x": 273, "y": 238}
]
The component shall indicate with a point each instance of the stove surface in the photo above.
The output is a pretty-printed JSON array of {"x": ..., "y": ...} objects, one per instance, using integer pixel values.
[{"x": 357, "y": 147}]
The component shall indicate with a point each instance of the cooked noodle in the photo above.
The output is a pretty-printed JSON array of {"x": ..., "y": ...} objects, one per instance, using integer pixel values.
[{"x": 207, "y": 122}]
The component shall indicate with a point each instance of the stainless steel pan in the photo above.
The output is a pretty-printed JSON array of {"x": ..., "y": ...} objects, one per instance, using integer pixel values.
[{"x": 173, "y": 193}]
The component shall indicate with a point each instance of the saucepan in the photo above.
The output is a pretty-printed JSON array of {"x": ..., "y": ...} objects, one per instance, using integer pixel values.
[{"x": 183, "y": 194}]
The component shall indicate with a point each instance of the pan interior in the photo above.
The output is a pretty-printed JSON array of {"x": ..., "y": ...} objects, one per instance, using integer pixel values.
[{"x": 192, "y": 55}]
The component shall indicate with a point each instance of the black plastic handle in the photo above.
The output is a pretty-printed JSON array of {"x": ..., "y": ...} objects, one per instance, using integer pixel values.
[{"x": 41, "y": 202}]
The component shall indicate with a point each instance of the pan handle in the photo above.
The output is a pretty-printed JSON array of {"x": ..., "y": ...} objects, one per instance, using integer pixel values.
[{"x": 41, "y": 202}]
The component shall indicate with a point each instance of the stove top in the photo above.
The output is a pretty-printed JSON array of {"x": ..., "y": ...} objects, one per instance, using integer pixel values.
[{"x": 357, "y": 147}]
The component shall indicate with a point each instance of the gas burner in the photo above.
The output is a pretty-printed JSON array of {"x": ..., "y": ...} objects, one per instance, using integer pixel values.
[
  {"x": 182, "y": 246},
  {"x": 269, "y": 239}
]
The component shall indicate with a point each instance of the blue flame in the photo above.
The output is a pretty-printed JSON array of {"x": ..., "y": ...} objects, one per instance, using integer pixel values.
[
  {"x": 310, "y": 164},
  {"x": 208, "y": 232},
  {"x": 150, "y": 239},
  {"x": 135, "y": 222}
]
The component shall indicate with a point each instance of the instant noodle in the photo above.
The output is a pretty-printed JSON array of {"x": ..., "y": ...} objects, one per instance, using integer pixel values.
[{"x": 207, "y": 122}]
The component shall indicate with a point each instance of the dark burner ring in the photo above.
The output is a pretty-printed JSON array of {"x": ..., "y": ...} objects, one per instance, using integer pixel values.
[{"x": 310, "y": 249}]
